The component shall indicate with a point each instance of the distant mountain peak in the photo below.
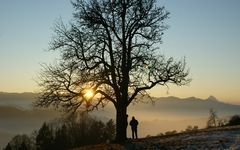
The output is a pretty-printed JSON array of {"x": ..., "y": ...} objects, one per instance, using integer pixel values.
[{"x": 212, "y": 98}]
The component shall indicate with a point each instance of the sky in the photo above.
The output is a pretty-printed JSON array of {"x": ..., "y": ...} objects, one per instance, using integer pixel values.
[{"x": 205, "y": 32}]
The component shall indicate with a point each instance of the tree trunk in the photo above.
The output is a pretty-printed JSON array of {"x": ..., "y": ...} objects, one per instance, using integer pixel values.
[{"x": 121, "y": 123}]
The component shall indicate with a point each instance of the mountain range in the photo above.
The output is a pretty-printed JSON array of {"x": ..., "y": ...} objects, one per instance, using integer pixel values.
[{"x": 186, "y": 107}]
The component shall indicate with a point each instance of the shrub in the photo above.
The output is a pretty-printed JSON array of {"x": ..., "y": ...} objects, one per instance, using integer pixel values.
[
  {"x": 170, "y": 132},
  {"x": 234, "y": 120}
]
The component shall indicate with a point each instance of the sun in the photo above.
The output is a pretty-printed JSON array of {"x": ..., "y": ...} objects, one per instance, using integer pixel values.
[{"x": 88, "y": 94}]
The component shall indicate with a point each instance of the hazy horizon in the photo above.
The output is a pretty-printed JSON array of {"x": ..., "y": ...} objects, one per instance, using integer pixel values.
[{"x": 17, "y": 115}]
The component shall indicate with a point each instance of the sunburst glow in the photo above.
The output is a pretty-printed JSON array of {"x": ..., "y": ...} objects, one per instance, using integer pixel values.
[{"x": 88, "y": 94}]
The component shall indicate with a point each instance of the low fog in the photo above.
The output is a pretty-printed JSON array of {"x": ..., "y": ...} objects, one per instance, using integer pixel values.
[{"x": 17, "y": 116}]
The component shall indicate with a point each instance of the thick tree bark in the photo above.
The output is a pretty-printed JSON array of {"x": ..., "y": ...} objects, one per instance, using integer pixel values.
[{"x": 121, "y": 123}]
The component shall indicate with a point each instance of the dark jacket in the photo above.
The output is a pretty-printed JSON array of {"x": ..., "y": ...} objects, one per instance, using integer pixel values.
[{"x": 134, "y": 123}]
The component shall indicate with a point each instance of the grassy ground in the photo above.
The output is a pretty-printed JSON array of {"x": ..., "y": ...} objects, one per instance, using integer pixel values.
[{"x": 222, "y": 138}]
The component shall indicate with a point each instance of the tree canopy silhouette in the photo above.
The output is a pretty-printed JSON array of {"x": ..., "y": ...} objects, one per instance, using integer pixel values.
[
  {"x": 111, "y": 48},
  {"x": 19, "y": 142}
]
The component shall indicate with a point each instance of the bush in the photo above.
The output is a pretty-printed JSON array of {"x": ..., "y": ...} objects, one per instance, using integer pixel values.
[
  {"x": 191, "y": 128},
  {"x": 234, "y": 120},
  {"x": 170, "y": 132}
]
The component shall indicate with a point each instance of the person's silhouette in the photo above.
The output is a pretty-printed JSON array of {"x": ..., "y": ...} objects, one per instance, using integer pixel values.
[{"x": 134, "y": 123}]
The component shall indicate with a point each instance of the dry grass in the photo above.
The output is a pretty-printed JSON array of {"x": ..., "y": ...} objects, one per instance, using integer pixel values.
[{"x": 215, "y": 138}]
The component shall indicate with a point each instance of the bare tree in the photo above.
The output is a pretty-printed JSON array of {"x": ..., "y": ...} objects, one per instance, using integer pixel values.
[
  {"x": 213, "y": 119},
  {"x": 111, "y": 48}
]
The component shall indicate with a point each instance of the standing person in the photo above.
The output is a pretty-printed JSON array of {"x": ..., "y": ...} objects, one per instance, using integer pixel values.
[{"x": 134, "y": 123}]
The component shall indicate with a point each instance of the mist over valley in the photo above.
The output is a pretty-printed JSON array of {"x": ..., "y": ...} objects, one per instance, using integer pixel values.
[{"x": 18, "y": 116}]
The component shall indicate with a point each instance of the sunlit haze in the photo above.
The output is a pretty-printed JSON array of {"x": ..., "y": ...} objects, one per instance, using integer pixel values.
[
  {"x": 88, "y": 94},
  {"x": 205, "y": 32}
]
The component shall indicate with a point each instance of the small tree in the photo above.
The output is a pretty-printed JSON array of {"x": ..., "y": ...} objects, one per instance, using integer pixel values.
[
  {"x": 19, "y": 142},
  {"x": 109, "y": 131},
  {"x": 23, "y": 146},
  {"x": 45, "y": 138},
  {"x": 222, "y": 122},
  {"x": 189, "y": 128},
  {"x": 213, "y": 118},
  {"x": 8, "y": 147},
  {"x": 111, "y": 49},
  {"x": 61, "y": 141}
]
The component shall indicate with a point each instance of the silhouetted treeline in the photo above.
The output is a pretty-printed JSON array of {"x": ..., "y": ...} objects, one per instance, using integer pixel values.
[
  {"x": 20, "y": 142},
  {"x": 65, "y": 134},
  {"x": 215, "y": 121}
]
